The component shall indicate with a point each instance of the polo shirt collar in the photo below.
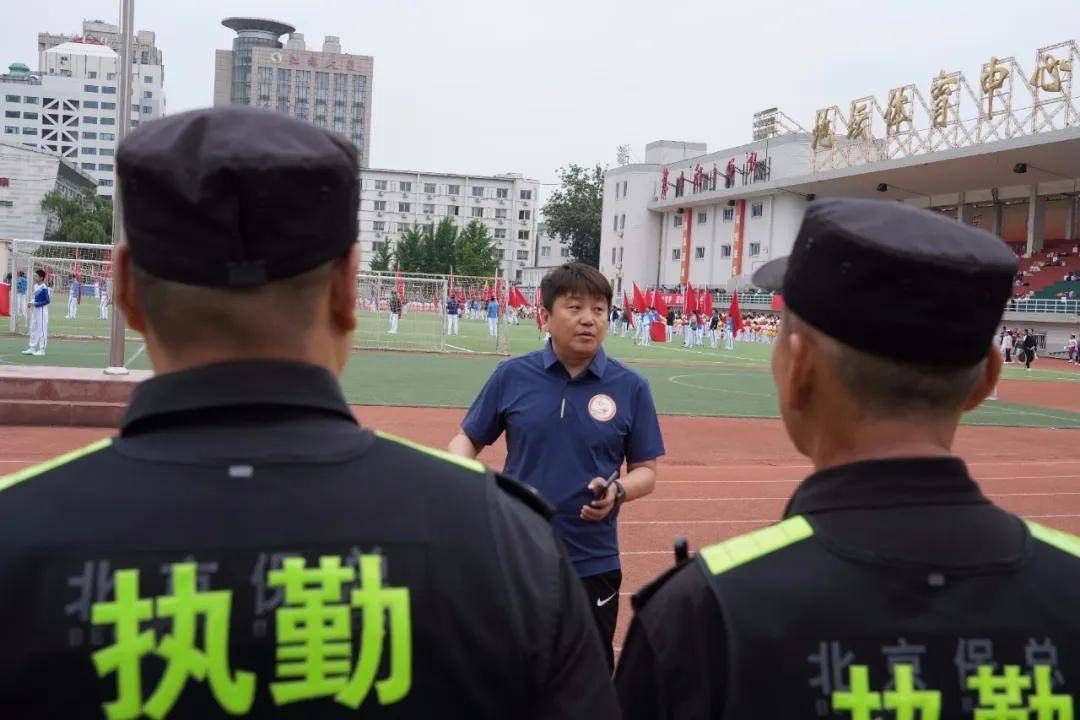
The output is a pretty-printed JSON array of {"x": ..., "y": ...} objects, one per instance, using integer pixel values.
[
  {"x": 597, "y": 365},
  {"x": 886, "y": 483},
  {"x": 236, "y": 384}
]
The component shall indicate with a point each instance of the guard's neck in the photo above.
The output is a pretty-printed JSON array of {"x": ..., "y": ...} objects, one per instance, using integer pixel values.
[{"x": 881, "y": 440}]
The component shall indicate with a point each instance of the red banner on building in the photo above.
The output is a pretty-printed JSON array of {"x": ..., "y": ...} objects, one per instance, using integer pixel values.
[
  {"x": 737, "y": 245},
  {"x": 684, "y": 268}
]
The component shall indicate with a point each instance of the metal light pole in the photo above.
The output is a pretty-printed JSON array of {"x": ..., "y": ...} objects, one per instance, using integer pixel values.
[{"x": 123, "y": 124}]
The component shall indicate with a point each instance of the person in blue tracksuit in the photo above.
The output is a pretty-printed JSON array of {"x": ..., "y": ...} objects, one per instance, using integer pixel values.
[{"x": 39, "y": 315}]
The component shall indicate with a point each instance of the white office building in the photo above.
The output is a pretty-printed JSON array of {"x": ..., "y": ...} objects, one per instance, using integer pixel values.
[
  {"x": 70, "y": 106},
  {"x": 26, "y": 176},
  {"x": 548, "y": 252},
  {"x": 393, "y": 201}
]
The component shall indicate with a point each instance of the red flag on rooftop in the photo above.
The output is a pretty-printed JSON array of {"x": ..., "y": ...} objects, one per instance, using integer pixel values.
[
  {"x": 734, "y": 314},
  {"x": 639, "y": 300}
]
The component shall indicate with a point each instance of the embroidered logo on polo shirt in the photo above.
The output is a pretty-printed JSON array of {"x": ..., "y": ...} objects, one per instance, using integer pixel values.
[{"x": 602, "y": 407}]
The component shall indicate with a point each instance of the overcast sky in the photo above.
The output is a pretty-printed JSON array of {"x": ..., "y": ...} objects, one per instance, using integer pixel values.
[{"x": 488, "y": 86}]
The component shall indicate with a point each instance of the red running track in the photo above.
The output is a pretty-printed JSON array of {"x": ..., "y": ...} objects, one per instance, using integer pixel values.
[{"x": 721, "y": 477}]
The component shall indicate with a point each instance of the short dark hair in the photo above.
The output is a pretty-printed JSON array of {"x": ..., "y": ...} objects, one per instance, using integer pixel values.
[
  {"x": 40, "y": 272},
  {"x": 574, "y": 279}
]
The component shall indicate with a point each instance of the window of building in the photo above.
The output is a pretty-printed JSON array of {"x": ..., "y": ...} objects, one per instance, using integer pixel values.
[
  {"x": 453, "y": 210},
  {"x": 429, "y": 188},
  {"x": 526, "y": 195},
  {"x": 618, "y": 187},
  {"x": 91, "y": 88},
  {"x": 403, "y": 207},
  {"x": 147, "y": 109},
  {"x": 755, "y": 249},
  {"x": 564, "y": 252},
  {"x": 148, "y": 79},
  {"x": 376, "y": 245},
  {"x": 522, "y": 254},
  {"x": 134, "y": 123},
  {"x": 108, "y": 121},
  {"x": 89, "y": 136},
  {"x": 500, "y": 234},
  {"x": 89, "y": 151},
  {"x": 757, "y": 210},
  {"x": 108, "y": 90},
  {"x": 89, "y": 120},
  {"x": 624, "y": 189},
  {"x": 105, "y": 167},
  {"x": 106, "y": 151},
  {"x": 699, "y": 252},
  {"x": 614, "y": 223},
  {"x": 29, "y": 131},
  {"x": 677, "y": 219},
  {"x": 149, "y": 94},
  {"x": 7, "y": 203},
  {"x": 91, "y": 74},
  {"x": 702, "y": 218},
  {"x": 380, "y": 184},
  {"x": 105, "y": 105},
  {"x": 13, "y": 114},
  {"x": 105, "y": 182},
  {"x": 107, "y": 136},
  {"x": 524, "y": 214},
  {"x": 12, "y": 98},
  {"x": 725, "y": 251},
  {"x": 478, "y": 212},
  {"x": 453, "y": 189},
  {"x": 110, "y": 76},
  {"x": 405, "y": 186},
  {"x": 92, "y": 104},
  {"x": 429, "y": 208},
  {"x": 676, "y": 253},
  {"x": 729, "y": 214},
  {"x": 523, "y": 234},
  {"x": 620, "y": 253},
  {"x": 545, "y": 251},
  {"x": 478, "y": 191},
  {"x": 500, "y": 254},
  {"x": 622, "y": 222},
  {"x": 613, "y": 251},
  {"x": 88, "y": 166},
  {"x": 378, "y": 226},
  {"x": 502, "y": 193},
  {"x": 9, "y": 130},
  {"x": 500, "y": 213}
]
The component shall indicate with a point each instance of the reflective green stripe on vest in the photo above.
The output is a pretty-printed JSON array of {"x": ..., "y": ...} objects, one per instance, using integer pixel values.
[
  {"x": 474, "y": 465},
  {"x": 737, "y": 551},
  {"x": 1061, "y": 540},
  {"x": 17, "y": 477}
]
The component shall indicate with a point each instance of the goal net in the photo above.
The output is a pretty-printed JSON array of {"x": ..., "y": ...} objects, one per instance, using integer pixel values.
[
  {"x": 79, "y": 276},
  {"x": 421, "y": 321}
]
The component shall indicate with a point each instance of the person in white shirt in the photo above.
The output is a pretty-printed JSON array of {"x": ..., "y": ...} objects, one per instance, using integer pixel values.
[{"x": 1007, "y": 345}]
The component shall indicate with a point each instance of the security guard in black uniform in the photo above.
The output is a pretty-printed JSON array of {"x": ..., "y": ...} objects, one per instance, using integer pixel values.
[
  {"x": 243, "y": 547},
  {"x": 893, "y": 588}
]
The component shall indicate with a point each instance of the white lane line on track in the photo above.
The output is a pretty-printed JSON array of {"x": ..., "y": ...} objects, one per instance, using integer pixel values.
[{"x": 788, "y": 497}]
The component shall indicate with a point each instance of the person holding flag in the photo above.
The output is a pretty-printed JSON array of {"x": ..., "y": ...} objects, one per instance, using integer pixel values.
[
  {"x": 627, "y": 315},
  {"x": 735, "y": 321}
]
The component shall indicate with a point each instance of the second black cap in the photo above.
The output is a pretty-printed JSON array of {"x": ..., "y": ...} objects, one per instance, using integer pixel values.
[
  {"x": 236, "y": 196},
  {"x": 895, "y": 281}
]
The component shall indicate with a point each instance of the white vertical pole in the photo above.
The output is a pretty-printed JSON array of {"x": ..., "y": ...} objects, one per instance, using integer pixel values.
[{"x": 123, "y": 124}]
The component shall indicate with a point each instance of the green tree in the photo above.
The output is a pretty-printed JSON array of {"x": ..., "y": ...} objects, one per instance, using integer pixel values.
[
  {"x": 409, "y": 253},
  {"x": 383, "y": 258},
  {"x": 474, "y": 253},
  {"x": 573, "y": 212},
  {"x": 440, "y": 247},
  {"x": 86, "y": 218}
]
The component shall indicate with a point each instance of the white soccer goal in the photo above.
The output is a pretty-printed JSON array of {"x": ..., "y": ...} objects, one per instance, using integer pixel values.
[
  {"x": 421, "y": 323},
  {"x": 89, "y": 264}
]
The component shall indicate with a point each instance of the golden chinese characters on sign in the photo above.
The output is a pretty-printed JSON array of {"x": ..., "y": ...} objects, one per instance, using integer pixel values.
[
  {"x": 898, "y": 111},
  {"x": 1047, "y": 76},
  {"x": 941, "y": 91},
  {"x": 823, "y": 130},
  {"x": 859, "y": 125},
  {"x": 993, "y": 79}
]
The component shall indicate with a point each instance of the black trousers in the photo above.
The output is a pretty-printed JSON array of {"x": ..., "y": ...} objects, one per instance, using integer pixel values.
[
  {"x": 603, "y": 593},
  {"x": 1029, "y": 355}
]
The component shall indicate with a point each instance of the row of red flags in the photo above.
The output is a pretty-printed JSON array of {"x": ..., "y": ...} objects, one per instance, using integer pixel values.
[{"x": 700, "y": 301}]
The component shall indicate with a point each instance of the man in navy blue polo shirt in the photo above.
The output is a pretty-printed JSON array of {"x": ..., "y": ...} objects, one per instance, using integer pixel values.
[{"x": 572, "y": 416}]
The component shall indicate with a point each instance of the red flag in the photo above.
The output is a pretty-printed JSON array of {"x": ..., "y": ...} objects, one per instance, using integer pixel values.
[
  {"x": 734, "y": 314},
  {"x": 707, "y": 302},
  {"x": 400, "y": 287},
  {"x": 516, "y": 299},
  {"x": 626, "y": 308},
  {"x": 690, "y": 301},
  {"x": 659, "y": 304},
  {"x": 639, "y": 300},
  {"x": 649, "y": 298}
]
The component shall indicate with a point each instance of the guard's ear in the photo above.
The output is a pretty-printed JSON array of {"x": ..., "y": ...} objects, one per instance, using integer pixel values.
[
  {"x": 987, "y": 381},
  {"x": 125, "y": 294},
  {"x": 343, "y": 291}
]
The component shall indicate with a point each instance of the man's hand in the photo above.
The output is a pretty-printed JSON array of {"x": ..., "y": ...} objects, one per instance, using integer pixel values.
[{"x": 598, "y": 509}]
